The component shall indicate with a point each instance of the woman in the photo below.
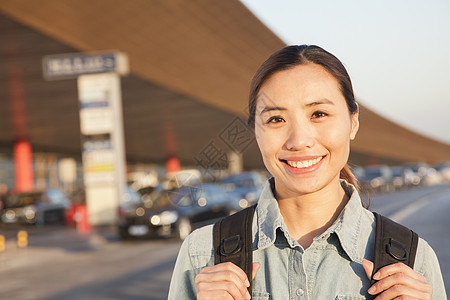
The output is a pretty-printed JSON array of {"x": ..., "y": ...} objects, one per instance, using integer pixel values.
[{"x": 313, "y": 239}]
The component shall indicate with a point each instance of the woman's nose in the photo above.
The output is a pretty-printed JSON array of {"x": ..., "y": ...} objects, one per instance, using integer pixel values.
[{"x": 300, "y": 137}]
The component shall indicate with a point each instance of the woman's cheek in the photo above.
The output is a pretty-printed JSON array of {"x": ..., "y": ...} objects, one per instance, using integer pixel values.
[
  {"x": 336, "y": 134},
  {"x": 268, "y": 150},
  {"x": 269, "y": 141},
  {"x": 337, "y": 141}
]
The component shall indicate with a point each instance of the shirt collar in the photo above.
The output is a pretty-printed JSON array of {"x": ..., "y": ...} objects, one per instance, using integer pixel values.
[{"x": 347, "y": 226}]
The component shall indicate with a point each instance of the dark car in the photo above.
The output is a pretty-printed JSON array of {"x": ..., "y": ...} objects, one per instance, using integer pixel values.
[
  {"x": 150, "y": 194},
  {"x": 177, "y": 212},
  {"x": 247, "y": 186},
  {"x": 376, "y": 178},
  {"x": 38, "y": 207}
]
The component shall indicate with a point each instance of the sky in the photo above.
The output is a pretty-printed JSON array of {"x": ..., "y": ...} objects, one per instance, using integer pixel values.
[{"x": 397, "y": 53}]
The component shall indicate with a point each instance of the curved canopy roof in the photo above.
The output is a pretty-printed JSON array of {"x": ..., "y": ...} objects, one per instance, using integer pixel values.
[{"x": 191, "y": 65}]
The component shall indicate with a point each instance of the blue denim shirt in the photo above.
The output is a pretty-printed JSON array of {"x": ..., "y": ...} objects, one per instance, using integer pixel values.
[{"x": 331, "y": 268}]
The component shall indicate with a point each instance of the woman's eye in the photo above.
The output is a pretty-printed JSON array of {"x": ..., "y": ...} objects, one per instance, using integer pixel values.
[
  {"x": 275, "y": 120},
  {"x": 319, "y": 114}
]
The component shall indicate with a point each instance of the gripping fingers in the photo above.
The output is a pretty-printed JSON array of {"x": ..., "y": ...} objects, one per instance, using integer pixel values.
[
  {"x": 401, "y": 284},
  {"x": 398, "y": 268},
  {"x": 222, "y": 279},
  {"x": 221, "y": 288},
  {"x": 227, "y": 267},
  {"x": 402, "y": 292},
  {"x": 400, "y": 280}
]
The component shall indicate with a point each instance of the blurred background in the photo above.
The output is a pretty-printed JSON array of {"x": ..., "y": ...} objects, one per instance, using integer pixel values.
[{"x": 188, "y": 156}]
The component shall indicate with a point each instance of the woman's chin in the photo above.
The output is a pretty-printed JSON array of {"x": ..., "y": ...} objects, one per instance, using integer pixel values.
[{"x": 296, "y": 188}]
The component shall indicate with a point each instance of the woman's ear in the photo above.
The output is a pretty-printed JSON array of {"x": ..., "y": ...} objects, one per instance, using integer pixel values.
[{"x": 355, "y": 123}]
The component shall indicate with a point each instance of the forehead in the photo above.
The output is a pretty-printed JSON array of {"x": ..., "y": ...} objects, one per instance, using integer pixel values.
[{"x": 304, "y": 83}]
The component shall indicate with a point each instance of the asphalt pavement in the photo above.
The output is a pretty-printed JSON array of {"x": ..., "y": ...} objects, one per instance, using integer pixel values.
[
  {"x": 424, "y": 210},
  {"x": 60, "y": 263}
]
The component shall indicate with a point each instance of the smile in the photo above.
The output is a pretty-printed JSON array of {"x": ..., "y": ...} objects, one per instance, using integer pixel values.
[{"x": 304, "y": 163}]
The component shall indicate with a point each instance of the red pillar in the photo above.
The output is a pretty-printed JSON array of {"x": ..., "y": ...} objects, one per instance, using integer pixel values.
[
  {"x": 172, "y": 165},
  {"x": 23, "y": 166},
  {"x": 23, "y": 161}
]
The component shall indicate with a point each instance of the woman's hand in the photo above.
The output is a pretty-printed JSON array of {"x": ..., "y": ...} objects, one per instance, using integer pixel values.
[
  {"x": 223, "y": 281},
  {"x": 397, "y": 280}
]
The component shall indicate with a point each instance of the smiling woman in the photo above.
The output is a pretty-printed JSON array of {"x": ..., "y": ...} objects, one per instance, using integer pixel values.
[
  {"x": 303, "y": 129},
  {"x": 310, "y": 229}
]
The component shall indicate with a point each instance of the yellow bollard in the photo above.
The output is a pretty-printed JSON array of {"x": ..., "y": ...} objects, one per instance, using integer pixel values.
[
  {"x": 22, "y": 239},
  {"x": 2, "y": 243}
]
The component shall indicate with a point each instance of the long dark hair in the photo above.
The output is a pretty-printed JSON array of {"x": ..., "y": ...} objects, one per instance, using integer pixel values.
[{"x": 292, "y": 56}]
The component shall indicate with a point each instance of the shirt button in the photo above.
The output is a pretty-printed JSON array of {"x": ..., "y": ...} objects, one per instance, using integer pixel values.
[{"x": 300, "y": 292}]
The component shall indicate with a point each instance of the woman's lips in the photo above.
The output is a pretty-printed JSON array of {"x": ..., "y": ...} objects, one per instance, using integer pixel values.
[{"x": 303, "y": 165}]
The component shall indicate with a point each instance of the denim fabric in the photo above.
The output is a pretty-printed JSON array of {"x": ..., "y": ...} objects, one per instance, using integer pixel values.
[{"x": 329, "y": 269}]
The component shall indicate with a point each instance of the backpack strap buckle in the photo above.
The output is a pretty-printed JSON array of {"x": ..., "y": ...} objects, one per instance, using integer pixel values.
[
  {"x": 396, "y": 250},
  {"x": 230, "y": 246}
]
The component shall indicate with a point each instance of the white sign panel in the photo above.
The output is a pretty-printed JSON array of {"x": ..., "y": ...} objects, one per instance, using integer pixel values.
[
  {"x": 96, "y": 111},
  {"x": 63, "y": 66},
  {"x": 101, "y": 124},
  {"x": 103, "y": 144}
]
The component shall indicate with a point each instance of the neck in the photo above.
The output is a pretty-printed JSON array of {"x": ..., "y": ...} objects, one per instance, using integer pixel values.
[{"x": 307, "y": 216}]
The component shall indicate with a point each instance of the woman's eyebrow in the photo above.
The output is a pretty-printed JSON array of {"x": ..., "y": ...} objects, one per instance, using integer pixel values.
[
  {"x": 319, "y": 102},
  {"x": 271, "y": 108}
]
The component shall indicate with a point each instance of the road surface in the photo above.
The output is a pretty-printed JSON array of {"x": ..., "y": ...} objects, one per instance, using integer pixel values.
[{"x": 60, "y": 263}]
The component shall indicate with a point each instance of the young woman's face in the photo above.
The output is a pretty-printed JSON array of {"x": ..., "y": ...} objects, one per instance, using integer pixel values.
[{"x": 303, "y": 128}]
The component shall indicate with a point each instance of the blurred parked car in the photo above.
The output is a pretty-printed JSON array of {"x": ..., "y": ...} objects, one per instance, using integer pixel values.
[
  {"x": 177, "y": 212},
  {"x": 444, "y": 169},
  {"x": 420, "y": 171},
  {"x": 358, "y": 171},
  {"x": 129, "y": 200},
  {"x": 398, "y": 179},
  {"x": 247, "y": 186},
  {"x": 427, "y": 174},
  {"x": 150, "y": 194},
  {"x": 377, "y": 178},
  {"x": 183, "y": 178},
  {"x": 433, "y": 177},
  {"x": 38, "y": 207},
  {"x": 403, "y": 177},
  {"x": 78, "y": 201}
]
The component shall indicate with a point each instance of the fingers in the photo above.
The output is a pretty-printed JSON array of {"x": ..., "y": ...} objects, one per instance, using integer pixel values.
[
  {"x": 223, "y": 281},
  {"x": 399, "y": 280},
  {"x": 368, "y": 267},
  {"x": 220, "y": 290},
  {"x": 398, "y": 268},
  {"x": 403, "y": 292},
  {"x": 256, "y": 267}
]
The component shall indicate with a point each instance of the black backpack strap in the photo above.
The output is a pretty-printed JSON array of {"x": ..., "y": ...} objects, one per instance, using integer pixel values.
[
  {"x": 233, "y": 241},
  {"x": 393, "y": 243}
]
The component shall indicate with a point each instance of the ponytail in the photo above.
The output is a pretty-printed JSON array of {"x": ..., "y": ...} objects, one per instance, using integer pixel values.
[{"x": 348, "y": 176}]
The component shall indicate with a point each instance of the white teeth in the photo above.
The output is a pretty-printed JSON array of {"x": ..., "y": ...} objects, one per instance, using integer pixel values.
[{"x": 305, "y": 163}]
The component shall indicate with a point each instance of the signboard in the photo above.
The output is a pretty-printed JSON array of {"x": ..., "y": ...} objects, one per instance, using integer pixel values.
[
  {"x": 65, "y": 66},
  {"x": 101, "y": 128},
  {"x": 101, "y": 125},
  {"x": 96, "y": 111},
  {"x": 99, "y": 159}
]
